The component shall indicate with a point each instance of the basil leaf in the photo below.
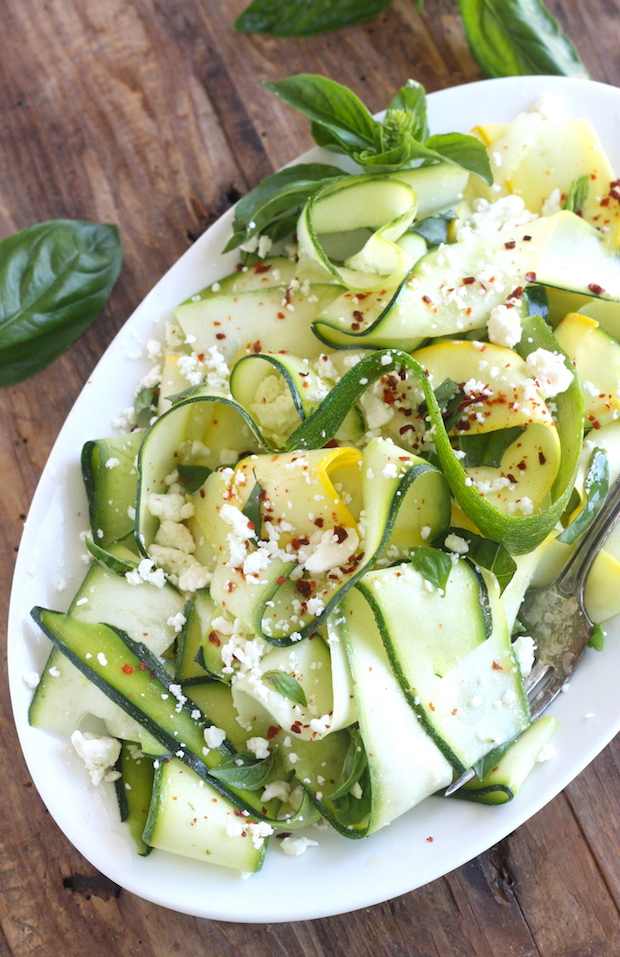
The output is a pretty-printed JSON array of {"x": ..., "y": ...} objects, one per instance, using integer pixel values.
[
  {"x": 353, "y": 766},
  {"x": 252, "y": 510},
  {"x": 249, "y": 775},
  {"x": 462, "y": 150},
  {"x": 595, "y": 487},
  {"x": 111, "y": 563},
  {"x": 487, "y": 448},
  {"x": 332, "y": 105},
  {"x": 54, "y": 280},
  {"x": 444, "y": 393},
  {"x": 287, "y": 686},
  {"x": 302, "y": 18},
  {"x": 597, "y": 638},
  {"x": 276, "y": 196},
  {"x": 193, "y": 477},
  {"x": 518, "y": 37},
  {"x": 488, "y": 554},
  {"x": 433, "y": 564},
  {"x": 434, "y": 229},
  {"x": 350, "y": 810},
  {"x": 146, "y": 405},
  {"x": 577, "y": 194}
]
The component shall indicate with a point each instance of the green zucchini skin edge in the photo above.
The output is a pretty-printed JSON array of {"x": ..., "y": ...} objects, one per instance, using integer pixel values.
[{"x": 46, "y": 618}]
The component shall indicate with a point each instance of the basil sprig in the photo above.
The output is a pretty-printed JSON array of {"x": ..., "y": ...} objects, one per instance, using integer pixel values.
[
  {"x": 55, "y": 278},
  {"x": 341, "y": 123}
]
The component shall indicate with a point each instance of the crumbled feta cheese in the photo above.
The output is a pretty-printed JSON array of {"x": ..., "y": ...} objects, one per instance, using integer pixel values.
[
  {"x": 550, "y": 372},
  {"x": 146, "y": 572},
  {"x": 504, "y": 326},
  {"x": 258, "y": 746},
  {"x": 546, "y": 753},
  {"x": 214, "y": 737},
  {"x": 99, "y": 753},
  {"x": 524, "y": 647},
  {"x": 31, "y": 679},
  {"x": 112, "y": 463},
  {"x": 177, "y": 621},
  {"x": 296, "y": 844},
  {"x": 454, "y": 543}
]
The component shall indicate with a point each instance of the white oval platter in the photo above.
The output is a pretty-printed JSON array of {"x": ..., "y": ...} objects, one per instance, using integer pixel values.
[{"x": 339, "y": 875}]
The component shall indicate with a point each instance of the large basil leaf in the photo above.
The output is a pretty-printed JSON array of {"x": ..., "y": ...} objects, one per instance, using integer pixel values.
[
  {"x": 54, "y": 280},
  {"x": 518, "y": 37},
  {"x": 301, "y": 18},
  {"x": 332, "y": 105}
]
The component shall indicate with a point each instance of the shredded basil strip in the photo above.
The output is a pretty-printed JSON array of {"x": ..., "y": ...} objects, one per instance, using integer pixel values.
[
  {"x": 287, "y": 686},
  {"x": 577, "y": 194},
  {"x": 354, "y": 764},
  {"x": 485, "y": 553},
  {"x": 118, "y": 566},
  {"x": 252, "y": 510},
  {"x": 243, "y": 770},
  {"x": 433, "y": 564},
  {"x": 595, "y": 487},
  {"x": 193, "y": 477}
]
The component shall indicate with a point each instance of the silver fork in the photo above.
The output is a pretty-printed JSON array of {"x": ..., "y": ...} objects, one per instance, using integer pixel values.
[{"x": 556, "y": 618}]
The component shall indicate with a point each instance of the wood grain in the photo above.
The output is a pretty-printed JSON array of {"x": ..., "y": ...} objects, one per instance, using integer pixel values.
[{"x": 151, "y": 114}]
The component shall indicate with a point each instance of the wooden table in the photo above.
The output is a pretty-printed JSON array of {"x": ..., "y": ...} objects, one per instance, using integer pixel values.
[{"x": 150, "y": 114}]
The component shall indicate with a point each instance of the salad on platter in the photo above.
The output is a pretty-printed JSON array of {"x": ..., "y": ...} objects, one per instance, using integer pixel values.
[{"x": 312, "y": 533}]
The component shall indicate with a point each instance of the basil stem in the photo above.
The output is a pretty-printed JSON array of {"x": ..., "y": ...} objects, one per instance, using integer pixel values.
[{"x": 55, "y": 278}]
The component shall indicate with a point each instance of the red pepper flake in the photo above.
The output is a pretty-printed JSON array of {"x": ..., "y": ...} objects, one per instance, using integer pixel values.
[
  {"x": 516, "y": 293},
  {"x": 541, "y": 458},
  {"x": 454, "y": 711},
  {"x": 220, "y": 335},
  {"x": 239, "y": 267},
  {"x": 467, "y": 281},
  {"x": 272, "y": 731},
  {"x": 521, "y": 465},
  {"x": 282, "y": 835},
  {"x": 595, "y": 288},
  {"x": 202, "y": 493},
  {"x": 431, "y": 705},
  {"x": 143, "y": 666},
  {"x": 257, "y": 347},
  {"x": 340, "y": 534},
  {"x": 214, "y": 638},
  {"x": 427, "y": 300},
  {"x": 530, "y": 276},
  {"x": 296, "y": 727},
  {"x": 304, "y": 587},
  {"x": 430, "y": 839},
  {"x": 281, "y": 579},
  {"x": 262, "y": 267},
  {"x": 510, "y": 245},
  {"x": 281, "y": 315},
  {"x": 319, "y": 522},
  {"x": 527, "y": 239},
  {"x": 496, "y": 666},
  {"x": 358, "y": 316},
  {"x": 128, "y": 669}
]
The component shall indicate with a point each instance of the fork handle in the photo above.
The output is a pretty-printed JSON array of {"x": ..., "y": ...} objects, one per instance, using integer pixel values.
[{"x": 574, "y": 574}]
